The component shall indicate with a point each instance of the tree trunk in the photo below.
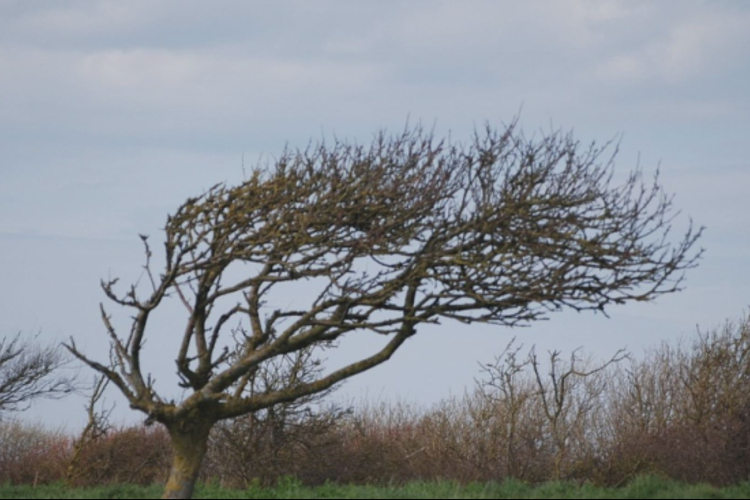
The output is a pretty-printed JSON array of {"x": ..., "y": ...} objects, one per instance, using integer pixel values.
[{"x": 189, "y": 445}]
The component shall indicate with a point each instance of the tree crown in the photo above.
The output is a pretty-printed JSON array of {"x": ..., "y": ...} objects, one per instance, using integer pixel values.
[{"x": 404, "y": 231}]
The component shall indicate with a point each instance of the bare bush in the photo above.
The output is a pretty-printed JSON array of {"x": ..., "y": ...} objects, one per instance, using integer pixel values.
[
  {"x": 684, "y": 411},
  {"x": 570, "y": 396},
  {"x": 30, "y": 454},
  {"x": 97, "y": 426},
  {"x": 134, "y": 455},
  {"x": 681, "y": 411},
  {"x": 289, "y": 438}
]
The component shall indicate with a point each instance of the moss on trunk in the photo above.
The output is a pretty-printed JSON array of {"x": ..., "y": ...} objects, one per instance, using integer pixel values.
[{"x": 189, "y": 444}]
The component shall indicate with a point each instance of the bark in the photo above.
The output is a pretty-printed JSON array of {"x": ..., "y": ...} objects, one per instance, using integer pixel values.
[{"x": 189, "y": 444}]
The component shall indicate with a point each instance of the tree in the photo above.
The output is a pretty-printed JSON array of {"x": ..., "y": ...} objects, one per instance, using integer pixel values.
[
  {"x": 390, "y": 236},
  {"x": 97, "y": 426},
  {"x": 569, "y": 395},
  {"x": 28, "y": 372}
]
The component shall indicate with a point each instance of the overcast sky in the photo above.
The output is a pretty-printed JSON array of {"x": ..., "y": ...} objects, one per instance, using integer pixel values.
[{"x": 113, "y": 112}]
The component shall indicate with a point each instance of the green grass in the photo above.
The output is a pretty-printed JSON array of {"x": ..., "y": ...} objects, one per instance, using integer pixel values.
[{"x": 644, "y": 487}]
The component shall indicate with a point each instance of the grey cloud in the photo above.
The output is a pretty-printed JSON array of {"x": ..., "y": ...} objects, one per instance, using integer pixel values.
[{"x": 176, "y": 67}]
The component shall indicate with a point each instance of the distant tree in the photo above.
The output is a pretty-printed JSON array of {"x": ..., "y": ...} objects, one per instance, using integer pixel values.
[
  {"x": 29, "y": 371},
  {"x": 385, "y": 237}
]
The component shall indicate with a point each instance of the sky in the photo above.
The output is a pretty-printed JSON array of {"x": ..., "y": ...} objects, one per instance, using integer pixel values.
[{"x": 112, "y": 113}]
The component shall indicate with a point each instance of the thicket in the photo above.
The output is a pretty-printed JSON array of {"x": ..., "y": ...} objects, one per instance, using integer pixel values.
[{"x": 680, "y": 412}]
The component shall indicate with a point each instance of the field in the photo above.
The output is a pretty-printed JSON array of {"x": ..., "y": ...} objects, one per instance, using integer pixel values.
[{"x": 643, "y": 487}]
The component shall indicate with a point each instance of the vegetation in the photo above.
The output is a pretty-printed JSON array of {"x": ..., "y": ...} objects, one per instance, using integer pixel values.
[
  {"x": 407, "y": 231},
  {"x": 643, "y": 487},
  {"x": 681, "y": 413},
  {"x": 29, "y": 371}
]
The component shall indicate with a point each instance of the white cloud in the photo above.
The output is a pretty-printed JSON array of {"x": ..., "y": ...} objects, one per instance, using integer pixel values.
[
  {"x": 137, "y": 69},
  {"x": 696, "y": 47},
  {"x": 83, "y": 17},
  {"x": 157, "y": 89},
  {"x": 78, "y": 20}
]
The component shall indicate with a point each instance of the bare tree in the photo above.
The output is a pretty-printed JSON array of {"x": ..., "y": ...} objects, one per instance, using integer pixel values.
[
  {"x": 97, "y": 426},
  {"x": 507, "y": 394},
  {"x": 569, "y": 396},
  {"x": 29, "y": 371},
  {"x": 388, "y": 236}
]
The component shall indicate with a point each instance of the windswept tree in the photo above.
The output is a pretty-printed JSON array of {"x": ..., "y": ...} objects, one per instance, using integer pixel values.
[
  {"x": 385, "y": 237},
  {"x": 29, "y": 371}
]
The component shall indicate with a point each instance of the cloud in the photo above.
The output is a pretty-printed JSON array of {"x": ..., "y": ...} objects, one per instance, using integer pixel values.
[
  {"x": 80, "y": 19},
  {"x": 700, "y": 46},
  {"x": 158, "y": 91},
  {"x": 135, "y": 68}
]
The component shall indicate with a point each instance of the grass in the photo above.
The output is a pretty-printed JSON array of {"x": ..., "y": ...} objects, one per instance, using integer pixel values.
[{"x": 644, "y": 487}]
